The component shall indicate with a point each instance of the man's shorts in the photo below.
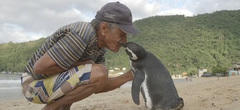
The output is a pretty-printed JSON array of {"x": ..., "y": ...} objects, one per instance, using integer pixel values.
[{"x": 52, "y": 88}]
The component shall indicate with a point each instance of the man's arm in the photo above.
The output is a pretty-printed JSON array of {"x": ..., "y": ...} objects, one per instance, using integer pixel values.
[
  {"x": 46, "y": 65},
  {"x": 116, "y": 82}
]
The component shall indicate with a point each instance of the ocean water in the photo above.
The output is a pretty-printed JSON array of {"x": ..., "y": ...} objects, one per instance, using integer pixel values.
[{"x": 10, "y": 87}]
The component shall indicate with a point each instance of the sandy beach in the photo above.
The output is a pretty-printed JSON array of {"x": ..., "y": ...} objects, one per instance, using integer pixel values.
[{"x": 199, "y": 94}]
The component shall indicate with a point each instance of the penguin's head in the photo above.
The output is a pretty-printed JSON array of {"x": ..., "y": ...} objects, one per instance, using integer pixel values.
[{"x": 134, "y": 51}]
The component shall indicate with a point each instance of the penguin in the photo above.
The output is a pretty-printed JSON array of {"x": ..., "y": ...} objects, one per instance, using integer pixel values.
[{"x": 152, "y": 79}]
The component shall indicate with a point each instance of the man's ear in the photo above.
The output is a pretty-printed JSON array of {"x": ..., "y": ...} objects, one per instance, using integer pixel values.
[{"x": 104, "y": 27}]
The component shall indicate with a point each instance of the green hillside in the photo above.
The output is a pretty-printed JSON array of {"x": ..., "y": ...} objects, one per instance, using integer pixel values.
[
  {"x": 184, "y": 44},
  {"x": 14, "y": 56}
]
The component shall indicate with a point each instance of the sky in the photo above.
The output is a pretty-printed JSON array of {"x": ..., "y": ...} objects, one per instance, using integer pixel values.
[{"x": 27, "y": 20}]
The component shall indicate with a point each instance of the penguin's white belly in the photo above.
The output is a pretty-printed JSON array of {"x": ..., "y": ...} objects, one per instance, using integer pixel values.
[
  {"x": 146, "y": 92},
  {"x": 132, "y": 66}
]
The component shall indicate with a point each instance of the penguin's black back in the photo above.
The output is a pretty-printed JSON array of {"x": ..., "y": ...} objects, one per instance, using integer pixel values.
[{"x": 160, "y": 83}]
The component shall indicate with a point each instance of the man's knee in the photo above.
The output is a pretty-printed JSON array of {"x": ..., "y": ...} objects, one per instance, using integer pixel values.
[
  {"x": 99, "y": 76},
  {"x": 99, "y": 73}
]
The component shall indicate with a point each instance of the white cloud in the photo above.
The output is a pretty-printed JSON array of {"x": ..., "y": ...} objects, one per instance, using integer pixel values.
[
  {"x": 14, "y": 33},
  {"x": 43, "y": 17},
  {"x": 209, "y": 6},
  {"x": 184, "y": 12},
  {"x": 142, "y": 8}
]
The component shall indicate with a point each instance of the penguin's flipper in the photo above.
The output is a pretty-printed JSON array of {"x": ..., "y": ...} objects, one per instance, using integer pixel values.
[{"x": 139, "y": 77}]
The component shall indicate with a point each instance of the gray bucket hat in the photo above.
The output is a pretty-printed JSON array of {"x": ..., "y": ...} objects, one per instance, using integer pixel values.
[{"x": 118, "y": 13}]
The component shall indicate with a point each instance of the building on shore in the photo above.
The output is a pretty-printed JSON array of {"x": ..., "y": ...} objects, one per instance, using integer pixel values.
[
  {"x": 235, "y": 70},
  {"x": 201, "y": 71}
]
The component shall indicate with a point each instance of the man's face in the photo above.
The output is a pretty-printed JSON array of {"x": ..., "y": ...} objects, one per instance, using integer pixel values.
[{"x": 113, "y": 37}]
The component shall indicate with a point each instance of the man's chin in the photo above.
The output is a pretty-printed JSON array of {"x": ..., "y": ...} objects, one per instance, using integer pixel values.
[{"x": 115, "y": 50}]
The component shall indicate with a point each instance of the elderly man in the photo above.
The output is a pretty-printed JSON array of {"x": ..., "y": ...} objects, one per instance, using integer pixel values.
[{"x": 69, "y": 65}]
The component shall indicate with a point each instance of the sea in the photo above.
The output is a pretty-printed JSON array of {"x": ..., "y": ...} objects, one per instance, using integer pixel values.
[{"x": 10, "y": 87}]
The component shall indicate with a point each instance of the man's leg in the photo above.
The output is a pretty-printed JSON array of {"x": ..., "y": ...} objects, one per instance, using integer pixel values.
[
  {"x": 97, "y": 79},
  {"x": 99, "y": 82}
]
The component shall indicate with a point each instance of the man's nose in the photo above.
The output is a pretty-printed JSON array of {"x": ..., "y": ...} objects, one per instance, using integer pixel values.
[{"x": 123, "y": 40}]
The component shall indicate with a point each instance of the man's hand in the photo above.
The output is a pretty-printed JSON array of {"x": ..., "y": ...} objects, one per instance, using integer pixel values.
[{"x": 130, "y": 75}]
